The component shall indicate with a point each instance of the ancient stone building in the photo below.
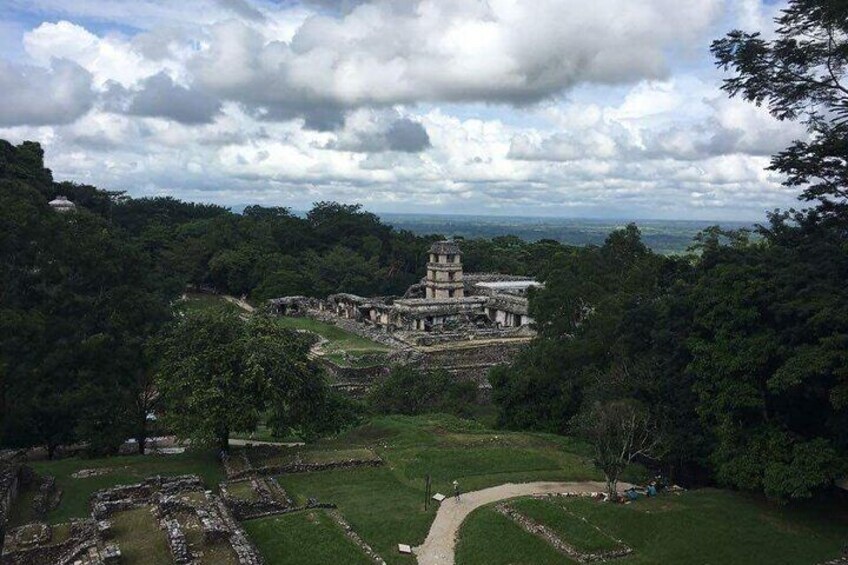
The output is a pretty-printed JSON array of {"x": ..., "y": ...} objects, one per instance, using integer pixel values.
[
  {"x": 444, "y": 271},
  {"x": 462, "y": 322}
]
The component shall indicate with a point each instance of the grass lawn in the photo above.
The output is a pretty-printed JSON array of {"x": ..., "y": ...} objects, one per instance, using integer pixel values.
[
  {"x": 570, "y": 526},
  {"x": 123, "y": 470},
  {"x": 21, "y": 512},
  {"x": 488, "y": 538},
  {"x": 303, "y": 538},
  {"x": 339, "y": 339},
  {"x": 243, "y": 490},
  {"x": 385, "y": 505},
  {"x": 198, "y": 301},
  {"x": 139, "y": 537},
  {"x": 311, "y": 455},
  {"x": 705, "y": 526}
]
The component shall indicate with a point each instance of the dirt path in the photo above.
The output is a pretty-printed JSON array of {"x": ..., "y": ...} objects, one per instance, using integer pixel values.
[
  {"x": 438, "y": 548},
  {"x": 238, "y": 302},
  {"x": 243, "y": 442}
]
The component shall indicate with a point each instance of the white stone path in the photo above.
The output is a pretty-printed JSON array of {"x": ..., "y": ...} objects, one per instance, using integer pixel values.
[{"x": 439, "y": 547}]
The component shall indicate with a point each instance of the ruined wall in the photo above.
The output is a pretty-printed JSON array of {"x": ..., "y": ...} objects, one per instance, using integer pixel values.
[
  {"x": 9, "y": 486},
  {"x": 356, "y": 381},
  {"x": 471, "y": 362}
]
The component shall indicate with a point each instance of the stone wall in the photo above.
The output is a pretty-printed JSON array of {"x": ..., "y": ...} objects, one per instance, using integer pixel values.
[
  {"x": 9, "y": 486},
  {"x": 33, "y": 545},
  {"x": 471, "y": 362},
  {"x": 270, "y": 499},
  {"x": 355, "y": 381}
]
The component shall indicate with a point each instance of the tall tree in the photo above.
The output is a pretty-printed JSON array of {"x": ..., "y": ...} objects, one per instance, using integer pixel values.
[
  {"x": 219, "y": 373},
  {"x": 800, "y": 75}
]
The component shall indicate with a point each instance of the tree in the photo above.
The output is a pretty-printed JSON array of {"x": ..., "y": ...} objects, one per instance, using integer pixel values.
[
  {"x": 800, "y": 75},
  {"x": 768, "y": 338},
  {"x": 619, "y": 431},
  {"x": 219, "y": 373},
  {"x": 408, "y": 390}
]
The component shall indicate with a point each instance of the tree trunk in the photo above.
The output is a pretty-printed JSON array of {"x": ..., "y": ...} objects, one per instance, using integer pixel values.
[
  {"x": 612, "y": 489},
  {"x": 224, "y": 440}
]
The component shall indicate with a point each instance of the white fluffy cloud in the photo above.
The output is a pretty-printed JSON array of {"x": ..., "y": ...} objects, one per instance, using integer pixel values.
[{"x": 550, "y": 106}]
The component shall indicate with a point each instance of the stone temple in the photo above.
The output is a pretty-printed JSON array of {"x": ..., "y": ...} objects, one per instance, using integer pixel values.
[{"x": 462, "y": 322}]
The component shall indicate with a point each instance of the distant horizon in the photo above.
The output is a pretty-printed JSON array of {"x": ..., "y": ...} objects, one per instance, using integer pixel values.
[{"x": 239, "y": 208}]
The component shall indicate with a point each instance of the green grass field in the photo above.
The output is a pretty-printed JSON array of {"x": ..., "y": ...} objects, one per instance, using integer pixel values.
[
  {"x": 385, "y": 505},
  {"x": 198, "y": 301},
  {"x": 339, "y": 339},
  {"x": 488, "y": 538},
  {"x": 122, "y": 471},
  {"x": 568, "y": 525},
  {"x": 305, "y": 538},
  {"x": 704, "y": 526}
]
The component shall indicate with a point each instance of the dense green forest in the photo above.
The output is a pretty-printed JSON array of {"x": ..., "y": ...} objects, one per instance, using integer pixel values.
[
  {"x": 737, "y": 352},
  {"x": 88, "y": 309},
  {"x": 740, "y": 352}
]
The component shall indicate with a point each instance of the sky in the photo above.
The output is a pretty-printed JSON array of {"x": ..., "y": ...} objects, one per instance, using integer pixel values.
[{"x": 571, "y": 108}]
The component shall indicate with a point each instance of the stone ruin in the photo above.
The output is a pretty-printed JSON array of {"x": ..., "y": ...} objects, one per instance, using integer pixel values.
[
  {"x": 76, "y": 543},
  {"x": 240, "y": 465},
  {"x": 169, "y": 504},
  {"x": 447, "y": 310},
  {"x": 15, "y": 477},
  {"x": 268, "y": 498}
]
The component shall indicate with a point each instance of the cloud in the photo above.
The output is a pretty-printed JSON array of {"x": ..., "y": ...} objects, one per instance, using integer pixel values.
[
  {"x": 378, "y": 131},
  {"x": 160, "y": 97},
  {"x": 544, "y": 107},
  {"x": 107, "y": 59},
  {"x": 384, "y": 53},
  {"x": 36, "y": 96},
  {"x": 243, "y": 9}
]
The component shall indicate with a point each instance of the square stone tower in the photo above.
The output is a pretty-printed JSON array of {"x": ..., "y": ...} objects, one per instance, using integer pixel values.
[{"x": 444, "y": 271}]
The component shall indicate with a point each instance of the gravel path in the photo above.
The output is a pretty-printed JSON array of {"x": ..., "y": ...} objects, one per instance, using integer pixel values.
[
  {"x": 238, "y": 302},
  {"x": 243, "y": 442},
  {"x": 438, "y": 548}
]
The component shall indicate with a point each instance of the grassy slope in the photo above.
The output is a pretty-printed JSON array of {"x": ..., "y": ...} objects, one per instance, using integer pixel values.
[
  {"x": 699, "y": 527},
  {"x": 340, "y": 340},
  {"x": 200, "y": 301},
  {"x": 385, "y": 504},
  {"x": 125, "y": 470},
  {"x": 303, "y": 539}
]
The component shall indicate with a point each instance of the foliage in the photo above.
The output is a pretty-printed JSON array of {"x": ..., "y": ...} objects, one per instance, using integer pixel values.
[
  {"x": 219, "y": 373},
  {"x": 79, "y": 301},
  {"x": 410, "y": 391},
  {"x": 800, "y": 74}
]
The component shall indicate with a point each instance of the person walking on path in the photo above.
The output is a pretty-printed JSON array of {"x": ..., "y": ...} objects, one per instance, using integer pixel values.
[{"x": 456, "y": 491}]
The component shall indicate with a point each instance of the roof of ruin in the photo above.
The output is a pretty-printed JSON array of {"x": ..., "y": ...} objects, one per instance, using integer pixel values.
[
  {"x": 62, "y": 204},
  {"x": 445, "y": 247}
]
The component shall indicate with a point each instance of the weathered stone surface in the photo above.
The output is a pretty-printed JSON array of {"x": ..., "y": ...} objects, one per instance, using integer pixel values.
[
  {"x": 270, "y": 499},
  {"x": 176, "y": 541}
]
